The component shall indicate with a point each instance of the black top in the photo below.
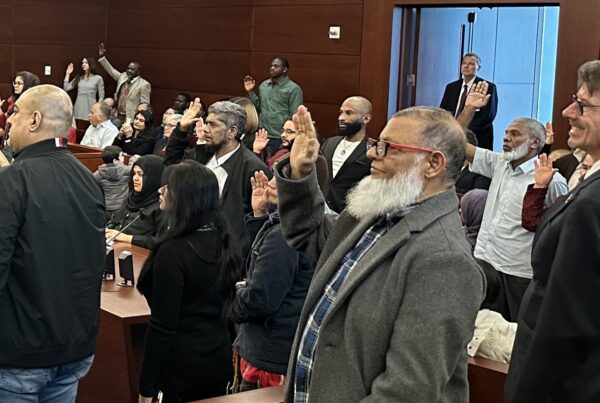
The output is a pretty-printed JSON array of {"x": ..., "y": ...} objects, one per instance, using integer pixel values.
[
  {"x": 51, "y": 257},
  {"x": 356, "y": 167},
  {"x": 468, "y": 180},
  {"x": 138, "y": 144},
  {"x": 188, "y": 348},
  {"x": 269, "y": 306}
]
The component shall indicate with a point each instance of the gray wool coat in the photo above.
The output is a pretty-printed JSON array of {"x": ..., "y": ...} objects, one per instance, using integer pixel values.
[{"x": 399, "y": 327}]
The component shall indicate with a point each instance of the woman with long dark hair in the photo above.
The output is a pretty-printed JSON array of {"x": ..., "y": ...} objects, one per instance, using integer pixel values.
[
  {"x": 89, "y": 84},
  {"x": 189, "y": 282},
  {"x": 137, "y": 221},
  {"x": 138, "y": 137}
]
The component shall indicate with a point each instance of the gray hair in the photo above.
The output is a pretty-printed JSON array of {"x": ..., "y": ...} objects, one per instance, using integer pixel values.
[
  {"x": 176, "y": 116},
  {"x": 534, "y": 129},
  {"x": 441, "y": 132},
  {"x": 233, "y": 115},
  {"x": 104, "y": 109},
  {"x": 588, "y": 75}
]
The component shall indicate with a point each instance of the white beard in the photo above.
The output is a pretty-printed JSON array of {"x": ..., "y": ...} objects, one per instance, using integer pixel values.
[
  {"x": 517, "y": 153},
  {"x": 372, "y": 197}
]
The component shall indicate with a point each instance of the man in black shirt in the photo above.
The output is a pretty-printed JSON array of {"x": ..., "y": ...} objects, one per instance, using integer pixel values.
[{"x": 51, "y": 255}]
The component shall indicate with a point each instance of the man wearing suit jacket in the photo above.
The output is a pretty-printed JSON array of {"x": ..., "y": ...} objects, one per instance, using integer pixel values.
[
  {"x": 222, "y": 152},
  {"x": 556, "y": 354},
  {"x": 345, "y": 152},
  {"x": 395, "y": 292},
  {"x": 455, "y": 96},
  {"x": 132, "y": 89}
]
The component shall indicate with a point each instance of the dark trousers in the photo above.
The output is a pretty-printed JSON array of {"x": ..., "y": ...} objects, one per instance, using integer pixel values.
[{"x": 504, "y": 292}]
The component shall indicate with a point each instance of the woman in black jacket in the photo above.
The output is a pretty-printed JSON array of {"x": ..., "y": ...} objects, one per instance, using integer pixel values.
[
  {"x": 138, "y": 218},
  {"x": 189, "y": 282},
  {"x": 138, "y": 137}
]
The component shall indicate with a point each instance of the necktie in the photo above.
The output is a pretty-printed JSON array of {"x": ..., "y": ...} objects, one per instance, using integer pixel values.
[
  {"x": 123, "y": 94},
  {"x": 463, "y": 99}
]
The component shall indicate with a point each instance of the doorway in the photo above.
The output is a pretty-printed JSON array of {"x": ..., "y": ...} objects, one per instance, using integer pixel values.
[{"x": 517, "y": 46}]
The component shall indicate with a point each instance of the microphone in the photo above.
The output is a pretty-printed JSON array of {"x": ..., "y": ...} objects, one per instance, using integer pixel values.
[{"x": 109, "y": 241}]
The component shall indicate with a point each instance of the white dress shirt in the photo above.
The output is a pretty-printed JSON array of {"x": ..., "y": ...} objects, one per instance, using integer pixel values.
[
  {"x": 214, "y": 164},
  {"x": 100, "y": 136},
  {"x": 341, "y": 154},
  {"x": 502, "y": 241}
]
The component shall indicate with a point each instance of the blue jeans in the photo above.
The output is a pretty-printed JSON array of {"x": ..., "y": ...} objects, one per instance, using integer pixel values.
[{"x": 43, "y": 385}]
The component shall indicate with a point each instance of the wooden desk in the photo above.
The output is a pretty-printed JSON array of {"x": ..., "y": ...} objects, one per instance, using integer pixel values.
[
  {"x": 120, "y": 344},
  {"x": 486, "y": 380},
  {"x": 91, "y": 157}
]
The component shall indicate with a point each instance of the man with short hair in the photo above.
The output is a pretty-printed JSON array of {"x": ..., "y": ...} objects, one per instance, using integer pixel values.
[
  {"x": 111, "y": 104},
  {"x": 455, "y": 96},
  {"x": 101, "y": 132},
  {"x": 556, "y": 354},
  {"x": 131, "y": 88},
  {"x": 395, "y": 292},
  {"x": 181, "y": 102},
  {"x": 221, "y": 152},
  {"x": 345, "y": 151},
  {"x": 278, "y": 99},
  {"x": 468, "y": 180},
  {"x": 52, "y": 252},
  {"x": 503, "y": 246}
]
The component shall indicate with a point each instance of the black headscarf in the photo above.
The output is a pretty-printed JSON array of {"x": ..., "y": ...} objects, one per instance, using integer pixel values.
[
  {"x": 152, "y": 165},
  {"x": 29, "y": 80}
]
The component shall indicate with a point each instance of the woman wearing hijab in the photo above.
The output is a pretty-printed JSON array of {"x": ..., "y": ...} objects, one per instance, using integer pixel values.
[
  {"x": 138, "y": 218},
  {"x": 472, "y": 205},
  {"x": 89, "y": 84},
  {"x": 24, "y": 80},
  {"x": 189, "y": 282},
  {"x": 138, "y": 137}
]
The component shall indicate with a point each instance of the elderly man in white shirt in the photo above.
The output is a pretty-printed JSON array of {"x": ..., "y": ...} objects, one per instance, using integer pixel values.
[
  {"x": 503, "y": 246},
  {"x": 102, "y": 131}
]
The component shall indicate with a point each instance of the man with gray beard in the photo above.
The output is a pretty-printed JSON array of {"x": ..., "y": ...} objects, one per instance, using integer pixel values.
[
  {"x": 503, "y": 248},
  {"x": 395, "y": 292}
]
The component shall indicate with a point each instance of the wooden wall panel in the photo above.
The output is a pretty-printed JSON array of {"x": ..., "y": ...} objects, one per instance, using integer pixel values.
[
  {"x": 6, "y": 73},
  {"x": 60, "y": 24},
  {"x": 203, "y": 28},
  {"x": 305, "y": 29},
  {"x": 142, "y": 4},
  {"x": 6, "y": 28},
  {"x": 34, "y": 57},
  {"x": 325, "y": 117},
  {"x": 194, "y": 70},
  {"x": 305, "y": 2}
]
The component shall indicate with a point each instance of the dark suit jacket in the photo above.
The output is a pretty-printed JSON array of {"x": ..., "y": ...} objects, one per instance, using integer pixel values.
[
  {"x": 566, "y": 165},
  {"x": 482, "y": 121},
  {"x": 556, "y": 354},
  {"x": 237, "y": 192},
  {"x": 468, "y": 180},
  {"x": 356, "y": 167}
]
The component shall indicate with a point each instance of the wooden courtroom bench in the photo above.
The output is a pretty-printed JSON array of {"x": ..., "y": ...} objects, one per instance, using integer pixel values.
[{"x": 91, "y": 157}]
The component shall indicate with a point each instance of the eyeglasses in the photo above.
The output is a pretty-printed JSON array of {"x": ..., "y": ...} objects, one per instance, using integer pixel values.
[
  {"x": 381, "y": 147},
  {"x": 170, "y": 126},
  {"x": 581, "y": 106},
  {"x": 289, "y": 131},
  {"x": 18, "y": 83}
]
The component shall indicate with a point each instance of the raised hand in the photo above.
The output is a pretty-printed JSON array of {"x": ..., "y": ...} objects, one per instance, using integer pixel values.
[
  {"x": 101, "y": 50},
  {"x": 70, "y": 69},
  {"x": 199, "y": 131},
  {"x": 249, "y": 83},
  {"x": 261, "y": 139},
  {"x": 190, "y": 116},
  {"x": 549, "y": 133},
  {"x": 543, "y": 172},
  {"x": 478, "y": 97},
  {"x": 305, "y": 149},
  {"x": 260, "y": 200}
]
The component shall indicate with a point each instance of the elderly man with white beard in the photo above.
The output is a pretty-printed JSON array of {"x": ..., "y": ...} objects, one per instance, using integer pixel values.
[
  {"x": 393, "y": 300},
  {"x": 503, "y": 248}
]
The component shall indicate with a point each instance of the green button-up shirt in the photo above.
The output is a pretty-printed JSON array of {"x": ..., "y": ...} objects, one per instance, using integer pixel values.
[{"x": 276, "y": 103}]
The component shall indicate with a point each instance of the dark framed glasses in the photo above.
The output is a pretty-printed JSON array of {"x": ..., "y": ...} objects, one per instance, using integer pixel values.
[
  {"x": 581, "y": 107},
  {"x": 381, "y": 147}
]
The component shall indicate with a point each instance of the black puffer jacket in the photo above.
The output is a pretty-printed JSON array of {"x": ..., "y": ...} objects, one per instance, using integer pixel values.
[{"x": 269, "y": 306}]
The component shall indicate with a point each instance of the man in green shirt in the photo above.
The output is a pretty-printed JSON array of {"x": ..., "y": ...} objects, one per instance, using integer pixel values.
[{"x": 278, "y": 99}]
